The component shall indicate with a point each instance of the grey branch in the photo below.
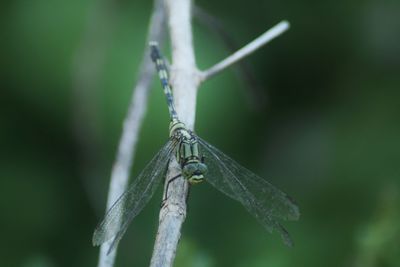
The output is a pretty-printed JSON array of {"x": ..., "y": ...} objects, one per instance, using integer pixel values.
[
  {"x": 246, "y": 50},
  {"x": 132, "y": 125},
  {"x": 184, "y": 81}
]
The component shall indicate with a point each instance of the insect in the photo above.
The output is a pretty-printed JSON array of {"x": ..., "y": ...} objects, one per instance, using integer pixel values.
[{"x": 199, "y": 162}]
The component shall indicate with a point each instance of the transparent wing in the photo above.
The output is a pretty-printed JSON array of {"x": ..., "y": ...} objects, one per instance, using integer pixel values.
[
  {"x": 132, "y": 201},
  {"x": 267, "y": 203}
]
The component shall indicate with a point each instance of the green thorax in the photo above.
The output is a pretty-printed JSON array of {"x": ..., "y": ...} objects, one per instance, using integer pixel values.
[{"x": 187, "y": 153}]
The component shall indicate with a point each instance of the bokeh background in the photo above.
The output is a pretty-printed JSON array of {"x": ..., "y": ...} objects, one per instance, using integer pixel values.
[{"x": 323, "y": 126}]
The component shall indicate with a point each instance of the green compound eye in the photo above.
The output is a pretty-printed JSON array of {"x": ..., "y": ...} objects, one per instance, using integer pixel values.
[
  {"x": 188, "y": 170},
  {"x": 202, "y": 168},
  {"x": 194, "y": 169}
]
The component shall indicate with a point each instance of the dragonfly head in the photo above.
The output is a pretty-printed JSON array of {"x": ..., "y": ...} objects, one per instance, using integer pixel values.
[{"x": 194, "y": 172}]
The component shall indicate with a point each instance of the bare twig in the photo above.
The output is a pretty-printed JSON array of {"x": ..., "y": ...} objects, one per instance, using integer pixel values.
[
  {"x": 132, "y": 125},
  {"x": 184, "y": 82},
  {"x": 246, "y": 50}
]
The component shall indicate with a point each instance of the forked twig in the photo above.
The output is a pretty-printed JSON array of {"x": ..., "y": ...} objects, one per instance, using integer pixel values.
[{"x": 185, "y": 81}]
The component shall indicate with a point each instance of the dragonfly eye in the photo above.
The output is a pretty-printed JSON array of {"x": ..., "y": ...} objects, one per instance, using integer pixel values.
[
  {"x": 194, "y": 169},
  {"x": 188, "y": 170},
  {"x": 202, "y": 168}
]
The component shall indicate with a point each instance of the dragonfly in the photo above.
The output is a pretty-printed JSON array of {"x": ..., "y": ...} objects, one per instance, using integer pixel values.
[{"x": 199, "y": 161}]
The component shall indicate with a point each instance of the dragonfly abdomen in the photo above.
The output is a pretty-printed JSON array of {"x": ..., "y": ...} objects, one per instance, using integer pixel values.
[{"x": 163, "y": 74}]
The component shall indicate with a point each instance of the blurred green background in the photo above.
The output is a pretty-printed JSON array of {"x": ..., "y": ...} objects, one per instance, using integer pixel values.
[{"x": 328, "y": 132}]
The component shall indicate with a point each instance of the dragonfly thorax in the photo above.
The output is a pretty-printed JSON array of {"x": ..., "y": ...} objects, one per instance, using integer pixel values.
[
  {"x": 187, "y": 153},
  {"x": 193, "y": 169}
]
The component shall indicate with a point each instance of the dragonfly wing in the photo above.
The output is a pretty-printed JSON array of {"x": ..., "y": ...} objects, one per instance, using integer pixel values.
[
  {"x": 266, "y": 202},
  {"x": 132, "y": 201}
]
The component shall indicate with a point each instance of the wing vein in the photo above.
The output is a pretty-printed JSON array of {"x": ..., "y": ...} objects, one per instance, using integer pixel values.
[
  {"x": 259, "y": 197},
  {"x": 133, "y": 200}
]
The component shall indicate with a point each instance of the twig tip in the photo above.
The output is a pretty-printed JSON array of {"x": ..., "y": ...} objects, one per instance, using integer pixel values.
[{"x": 284, "y": 24}]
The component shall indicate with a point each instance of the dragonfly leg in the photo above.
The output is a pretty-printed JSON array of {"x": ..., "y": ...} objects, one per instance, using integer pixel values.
[{"x": 167, "y": 187}]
